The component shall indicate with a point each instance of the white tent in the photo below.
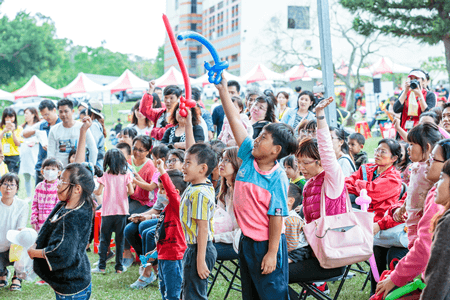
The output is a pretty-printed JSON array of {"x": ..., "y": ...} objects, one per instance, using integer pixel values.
[
  {"x": 203, "y": 80},
  {"x": 36, "y": 88},
  {"x": 386, "y": 65},
  {"x": 126, "y": 81},
  {"x": 171, "y": 77},
  {"x": 300, "y": 72},
  {"x": 6, "y": 96},
  {"x": 260, "y": 73},
  {"x": 82, "y": 84}
]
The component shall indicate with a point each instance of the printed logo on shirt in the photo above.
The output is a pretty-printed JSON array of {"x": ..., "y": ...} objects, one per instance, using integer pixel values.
[
  {"x": 241, "y": 173},
  {"x": 65, "y": 146},
  {"x": 278, "y": 211}
]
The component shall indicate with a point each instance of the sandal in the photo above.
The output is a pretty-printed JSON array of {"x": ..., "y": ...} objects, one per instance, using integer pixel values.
[
  {"x": 4, "y": 283},
  {"x": 143, "y": 282},
  {"x": 15, "y": 286}
]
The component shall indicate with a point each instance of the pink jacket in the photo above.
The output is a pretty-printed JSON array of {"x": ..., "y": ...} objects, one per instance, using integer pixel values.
[
  {"x": 415, "y": 262},
  {"x": 45, "y": 199},
  {"x": 332, "y": 178}
]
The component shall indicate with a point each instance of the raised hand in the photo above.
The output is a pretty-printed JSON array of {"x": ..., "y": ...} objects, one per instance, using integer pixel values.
[
  {"x": 151, "y": 87},
  {"x": 223, "y": 84},
  {"x": 87, "y": 122},
  {"x": 322, "y": 104}
]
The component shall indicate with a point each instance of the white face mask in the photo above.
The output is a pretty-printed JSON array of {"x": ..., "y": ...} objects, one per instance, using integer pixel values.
[
  {"x": 163, "y": 199},
  {"x": 50, "y": 175}
]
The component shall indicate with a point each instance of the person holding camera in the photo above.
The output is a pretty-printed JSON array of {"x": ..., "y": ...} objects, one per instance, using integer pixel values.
[{"x": 414, "y": 100}]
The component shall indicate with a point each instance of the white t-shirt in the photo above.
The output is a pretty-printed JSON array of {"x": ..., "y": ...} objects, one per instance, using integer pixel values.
[
  {"x": 12, "y": 217},
  {"x": 145, "y": 131},
  {"x": 61, "y": 140}
]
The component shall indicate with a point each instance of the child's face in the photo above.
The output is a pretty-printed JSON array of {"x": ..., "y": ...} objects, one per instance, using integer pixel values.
[
  {"x": 126, "y": 139},
  {"x": 2, "y": 158},
  {"x": 443, "y": 190},
  {"x": 290, "y": 203},
  {"x": 125, "y": 153},
  {"x": 415, "y": 153},
  {"x": 161, "y": 189},
  {"x": 174, "y": 163},
  {"x": 290, "y": 172},
  {"x": 9, "y": 189},
  {"x": 10, "y": 119},
  {"x": 72, "y": 159},
  {"x": 53, "y": 168},
  {"x": 263, "y": 145},
  {"x": 354, "y": 146},
  {"x": 191, "y": 169}
]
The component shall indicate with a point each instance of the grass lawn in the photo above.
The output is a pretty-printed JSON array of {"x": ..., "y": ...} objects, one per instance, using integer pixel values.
[{"x": 116, "y": 286}]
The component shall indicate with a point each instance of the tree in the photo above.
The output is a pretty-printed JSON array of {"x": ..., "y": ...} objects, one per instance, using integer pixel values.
[
  {"x": 425, "y": 20},
  {"x": 27, "y": 46},
  {"x": 158, "y": 66}
]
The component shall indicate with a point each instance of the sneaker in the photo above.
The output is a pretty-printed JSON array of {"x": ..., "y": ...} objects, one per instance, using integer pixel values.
[
  {"x": 323, "y": 288},
  {"x": 41, "y": 282},
  {"x": 110, "y": 256},
  {"x": 143, "y": 282},
  {"x": 96, "y": 270},
  {"x": 127, "y": 262}
]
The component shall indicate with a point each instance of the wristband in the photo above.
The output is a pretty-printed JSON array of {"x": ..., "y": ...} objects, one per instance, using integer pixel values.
[{"x": 320, "y": 117}]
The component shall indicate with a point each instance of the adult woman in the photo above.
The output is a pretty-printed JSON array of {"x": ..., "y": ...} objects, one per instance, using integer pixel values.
[
  {"x": 29, "y": 149},
  {"x": 305, "y": 104},
  {"x": 415, "y": 262},
  {"x": 381, "y": 179},
  {"x": 250, "y": 99},
  {"x": 229, "y": 165},
  {"x": 176, "y": 135},
  {"x": 11, "y": 136},
  {"x": 60, "y": 256},
  {"x": 139, "y": 122},
  {"x": 283, "y": 99},
  {"x": 341, "y": 150},
  {"x": 318, "y": 163},
  {"x": 140, "y": 201},
  {"x": 94, "y": 111},
  {"x": 261, "y": 114}
]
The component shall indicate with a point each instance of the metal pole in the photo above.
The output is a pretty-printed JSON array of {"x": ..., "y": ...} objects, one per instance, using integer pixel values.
[{"x": 327, "y": 58}]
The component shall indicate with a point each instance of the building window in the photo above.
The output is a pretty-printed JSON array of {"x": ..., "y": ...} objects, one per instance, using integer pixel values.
[
  {"x": 234, "y": 58},
  {"x": 232, "y": 12},
  {"x": 298, "y": 17},
  {"x": 193, "y": 60},
  {"x": 308, "y": 45},
  {"x": 220, "y": 5},
  {"x": 199, "y": 49},
  {"x": 232, "y": 26},
  {"x": 211, "y": 9},
  {"x": 236, "y": 25},
  {"x": 193, "y": 27},
  {"x": 237, "y": 9},
  {"x": 193, "y": 6}
]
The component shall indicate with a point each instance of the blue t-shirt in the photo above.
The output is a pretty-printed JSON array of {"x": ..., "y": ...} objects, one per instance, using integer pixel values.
[
  {"x": 258, "y": 194},
  {"x": 42, "y": 155}
]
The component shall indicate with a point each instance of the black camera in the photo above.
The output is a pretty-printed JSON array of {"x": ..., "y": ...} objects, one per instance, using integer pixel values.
[{"x": 414, "y": 84}]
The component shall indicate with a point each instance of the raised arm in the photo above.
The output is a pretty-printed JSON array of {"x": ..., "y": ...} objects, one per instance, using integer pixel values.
[
  {"x": 80, "y": 155},
  {"x": 190, "y": 140},
  {"x": 239, "y": 132}
]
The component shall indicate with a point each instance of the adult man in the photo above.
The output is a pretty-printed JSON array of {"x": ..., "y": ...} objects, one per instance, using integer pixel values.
[
  {"x": 48, "y": 112},
  {"x": 443, "y": 92},
  {"x": 159, "y": 92},
  {"x": 206, "y": 115},
  {"x": 218, "y": 114},
  {"x": 414, "y": 100},
  {"x": 63, "y": 137},
  {"x": 446, "y": 117}
]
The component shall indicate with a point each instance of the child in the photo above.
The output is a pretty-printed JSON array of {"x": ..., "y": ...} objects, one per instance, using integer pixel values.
[
  {"x": 260, "y": 203},
  {"x": 72, "y": 155},
  {"x": 175, "y": 159},
  {"x": 297, "y": 245},
  {"x": 293, "y": 172},
  {"x": 356, "y": 143},
  {"x": 46, "y": 194},
  {"x": 226, "y": 135},
  {"x": 126, "y": 151},
  {"x": 117, "y": 183},
  {"x": 11, "y": 137},
  {"x": 158, "y": 152},
  {"x": 197, "y": 211},
  {"x": 13, "y": 216},
  {"x": 171, "y": 243}
]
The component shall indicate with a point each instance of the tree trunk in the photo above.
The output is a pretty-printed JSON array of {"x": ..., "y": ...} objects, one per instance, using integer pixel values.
[
  {"x": 446, "y": 41},
  {"x": 351, "y": 99}
]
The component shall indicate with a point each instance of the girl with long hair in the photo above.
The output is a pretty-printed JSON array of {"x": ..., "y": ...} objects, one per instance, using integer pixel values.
[{"x": 11, "y": 136}]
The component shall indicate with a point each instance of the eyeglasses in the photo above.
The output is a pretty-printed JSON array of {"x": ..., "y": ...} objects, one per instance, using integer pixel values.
[
  {"x": 260, "y": 107},
  {"x": 172, "y": 161},
  {"x": 139, "y": 150},
  {"x": 224, "y": 161},
  {"x": 381, "y": 151},
  {"x": 304, "y": 163},
  {"x": 9, "y": 186},
  {"x": 60, "y": 182},
  {"x": 432, "y": 159},
  {"x": 308, "y": 132}
]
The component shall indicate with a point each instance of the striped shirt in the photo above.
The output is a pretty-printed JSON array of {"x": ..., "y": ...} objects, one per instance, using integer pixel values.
[
  {"x": 45, "y": 199},
  {"x": 197, "y": 203},
  {"x": 295, "y": 238}
]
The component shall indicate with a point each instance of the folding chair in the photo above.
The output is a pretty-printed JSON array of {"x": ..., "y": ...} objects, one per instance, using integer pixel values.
[
  {"x": 308, "y": 289},
  {"x": 220, "y": 268},
  {"x": 361, "y": 270}
]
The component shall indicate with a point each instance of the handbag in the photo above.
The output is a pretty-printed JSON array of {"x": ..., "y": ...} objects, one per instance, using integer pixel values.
[{"x": 343, "y": 239}]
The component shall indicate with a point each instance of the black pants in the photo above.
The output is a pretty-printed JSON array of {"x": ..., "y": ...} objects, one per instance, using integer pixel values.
[
  {"x": 383, "y": 258},
  {"x": 38, "y": 178},
  {"x": 135, "y": 207},
  {"x": 13, "y": 163},
  {"x": 112, "y": 224},
  {"x": 310, "y": 270}
]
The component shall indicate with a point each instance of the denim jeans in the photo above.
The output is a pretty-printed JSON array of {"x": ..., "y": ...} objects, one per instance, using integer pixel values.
[
  {"x": 147, "y": 231},
  {"x": 83, "y": 295},
  {"x": 133, "y": 237},
  {"x": 170, "y": 273},
  {"x": 225, "y": 251}
]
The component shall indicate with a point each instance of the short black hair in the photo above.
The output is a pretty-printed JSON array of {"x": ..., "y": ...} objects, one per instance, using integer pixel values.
[
  {"x": 52, "y": 162},
  {"x": 298, "y": 89},
  {"x": 218, "y": 146},
  {"x": 158, "y": 88},
  {"x": 196, "y": 94},
  {"x": 178, "y": 153},
  {"x": 172, "y": 90},
  {"x": 131, "y": 132},
  {"x": 357, "y": 137},
  {"x": 432, "y": 115},
  {"x": 446, "y": 105},
  {"x": 124, "y": 146},
  {"x": 394, "y": 147},
  {"x": 161, "y": 151},
  {"x": 311, "y": 97},
  {"x": 423, "y": 135},
  {"x": 46, "y": 104},
  {"x": 291, "y": 161},
  {"x": 282, "y": 135},
  {"x": 115, "y": 162},
  {"x": 204, "y": 155},
  {"x": 177, "y": 179},
  {"x": 10, "y": 177},
  {"x": 295, "y": 192},
  {"x": 72, "y": 152},
  {"x": 65, "y": 102},
  {"x": 145, "y": 140},
  {"x": 236, "y": 84}
]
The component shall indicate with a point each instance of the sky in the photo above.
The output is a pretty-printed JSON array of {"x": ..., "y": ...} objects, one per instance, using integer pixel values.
[{"x": 131, "y": 26}]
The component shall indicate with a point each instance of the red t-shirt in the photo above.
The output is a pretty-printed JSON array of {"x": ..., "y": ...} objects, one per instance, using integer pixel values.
[
  {"x": 146, "y": 173},
  {"x": 169, "y": 233}
]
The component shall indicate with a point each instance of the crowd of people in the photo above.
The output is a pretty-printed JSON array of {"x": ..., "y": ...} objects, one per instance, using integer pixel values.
[{"x": 185, "y": 187}]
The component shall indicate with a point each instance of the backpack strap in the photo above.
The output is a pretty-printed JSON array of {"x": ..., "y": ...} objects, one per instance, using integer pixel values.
[{"x": 363, "y": 167}]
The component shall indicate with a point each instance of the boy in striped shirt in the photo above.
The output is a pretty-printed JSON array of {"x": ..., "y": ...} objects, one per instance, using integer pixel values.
[{"x": 197, "y": 211}]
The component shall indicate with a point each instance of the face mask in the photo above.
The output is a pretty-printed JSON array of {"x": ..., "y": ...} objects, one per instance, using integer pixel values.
[
  {"x": 163, "y": 199},
  {"x": 50, "y": 175}
]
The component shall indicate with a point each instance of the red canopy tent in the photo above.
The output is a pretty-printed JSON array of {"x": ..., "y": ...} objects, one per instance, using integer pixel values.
[
  {"x": 386, "y": 65},
  {"x": 82, "y": 84},
  {"x": 261, "y": 73},
  {"x": 171, "y": 77},
  {"x": 36, "y": 88},
  {"x": 126, "y": 81}
]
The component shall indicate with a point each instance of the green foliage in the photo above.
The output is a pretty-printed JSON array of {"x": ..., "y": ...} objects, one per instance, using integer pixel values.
[
  {"x": 436, "y": 63},
  {"x": 27, "y": 46},
  {"x": 158, "y": 67}
]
